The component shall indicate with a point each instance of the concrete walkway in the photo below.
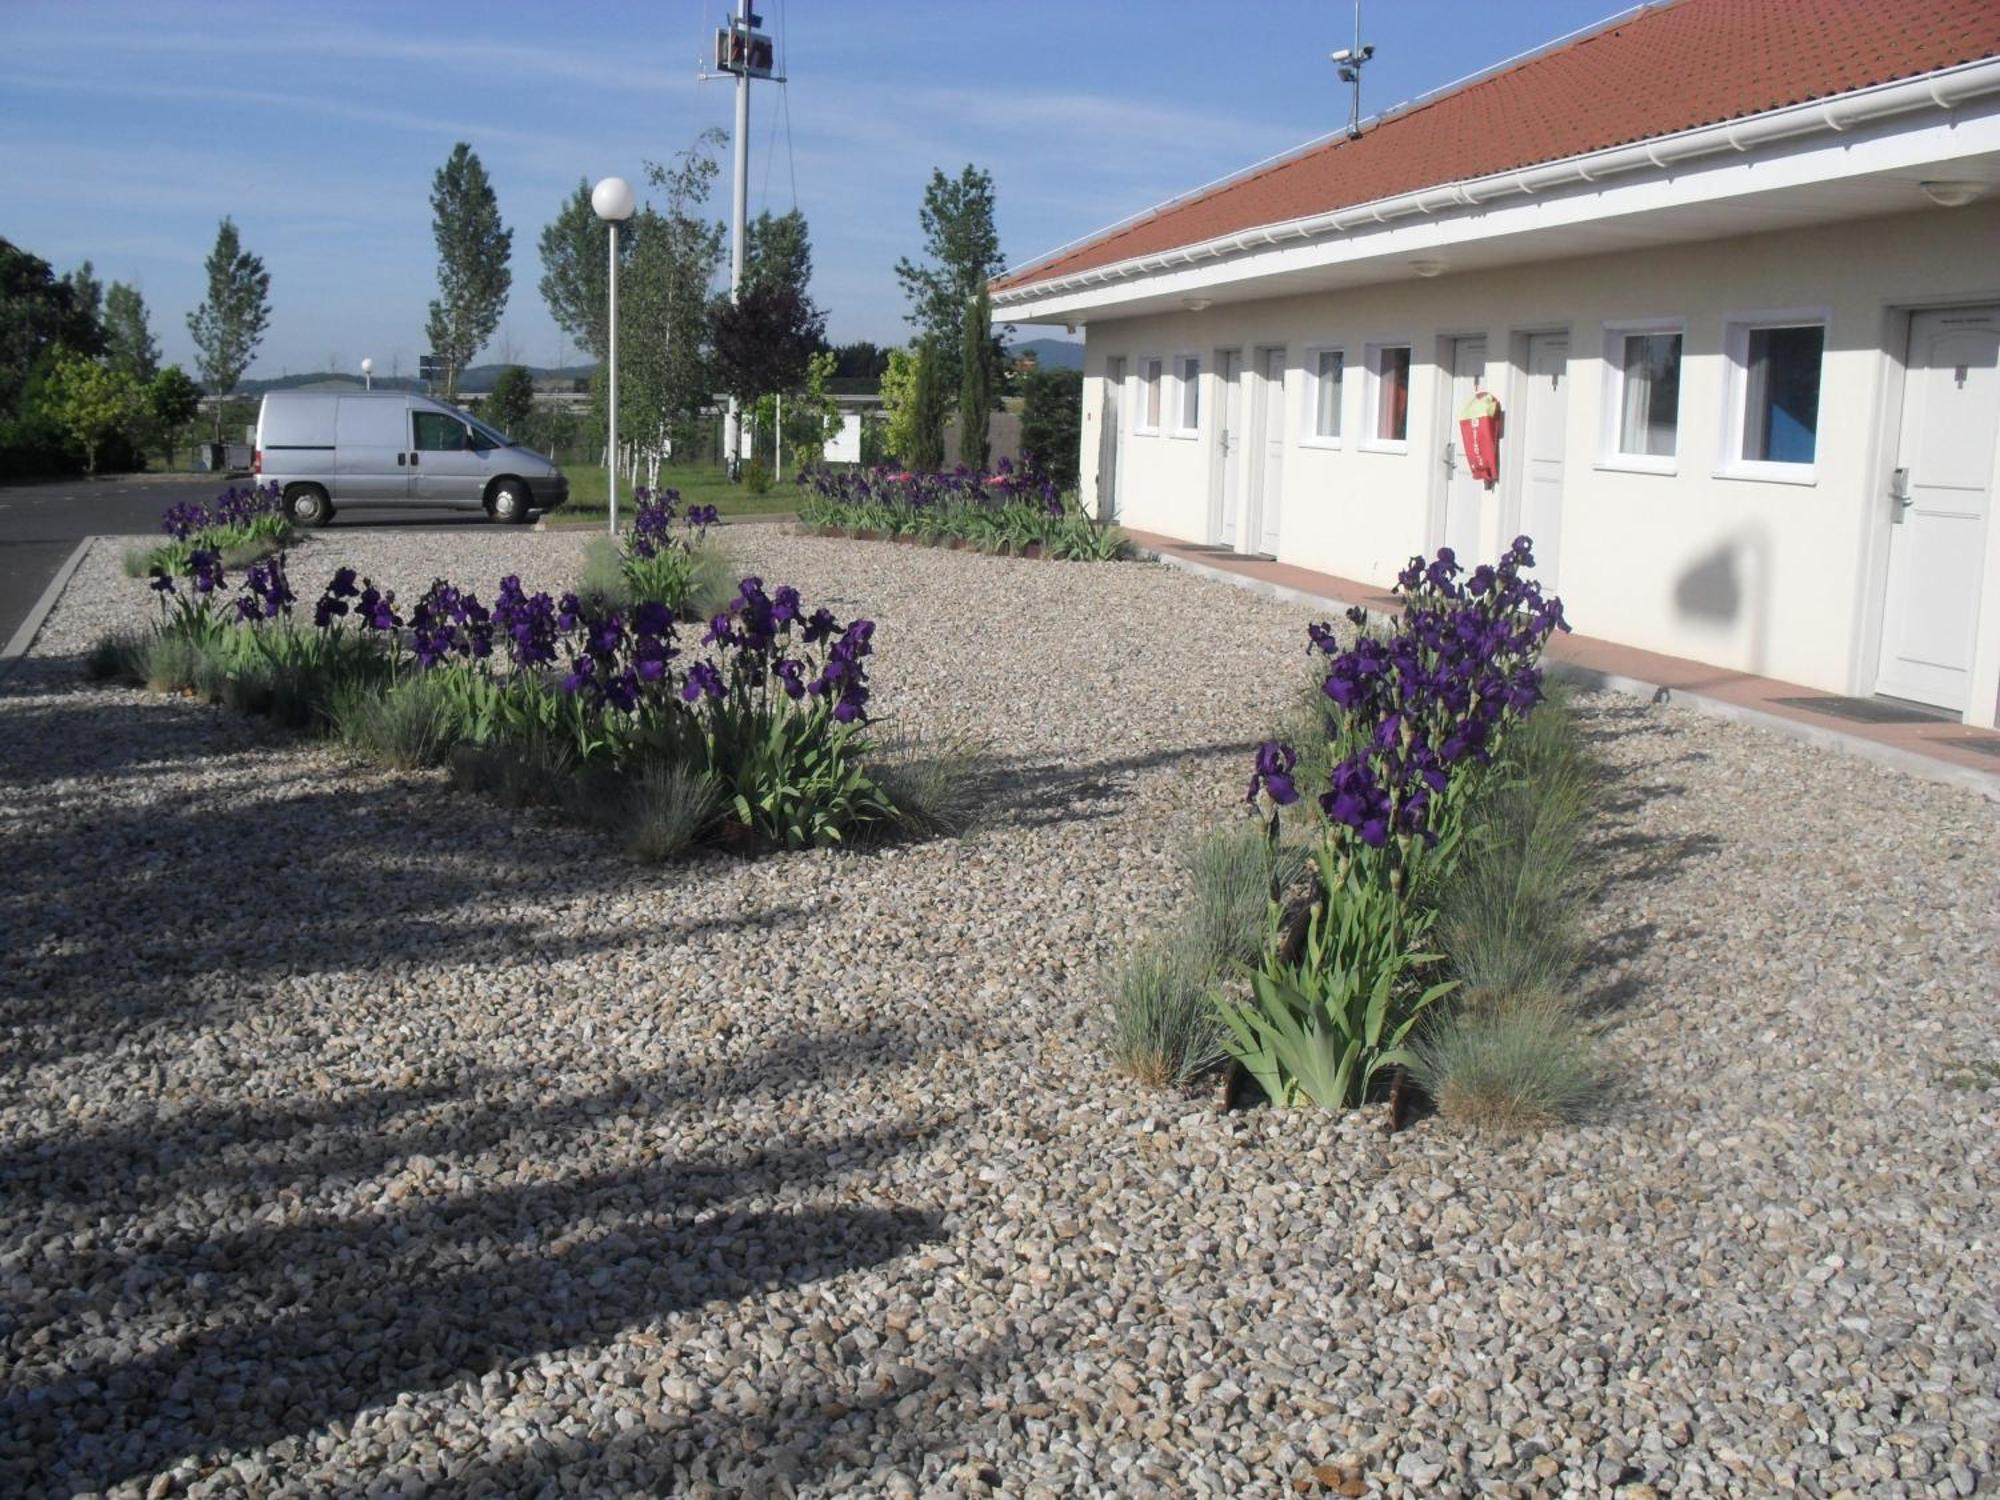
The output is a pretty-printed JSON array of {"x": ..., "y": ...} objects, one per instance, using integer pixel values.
[{"x": 1914, "y": 740}]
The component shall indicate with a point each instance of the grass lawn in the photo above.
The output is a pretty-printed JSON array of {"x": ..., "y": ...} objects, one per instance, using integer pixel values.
[{"x": 699, "y": 484}]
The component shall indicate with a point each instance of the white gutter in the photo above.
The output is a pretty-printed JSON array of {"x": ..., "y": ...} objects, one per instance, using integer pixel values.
[{"x": 1945, "y": 89}]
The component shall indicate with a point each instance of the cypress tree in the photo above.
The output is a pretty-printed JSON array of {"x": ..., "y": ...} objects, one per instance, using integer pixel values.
[{"x": 975, "y": 392}]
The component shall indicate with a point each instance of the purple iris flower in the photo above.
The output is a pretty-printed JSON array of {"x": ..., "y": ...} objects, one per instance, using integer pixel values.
[{"x": 1273, "y": 774}]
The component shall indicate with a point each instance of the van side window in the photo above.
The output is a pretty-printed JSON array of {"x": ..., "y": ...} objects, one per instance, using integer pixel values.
[{"x": 438, "y": 433}]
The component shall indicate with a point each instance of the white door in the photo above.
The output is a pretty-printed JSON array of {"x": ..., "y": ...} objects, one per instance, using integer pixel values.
[
  {"x": 1941, "y": 495},
  {"x": 1109, "y": 431},
  {"x": 1464, "y": 496},
  {"x": 1270, "y": 446},
  {"x": 1544, "y": 422},
  {"x": 1229, "y": 410}
]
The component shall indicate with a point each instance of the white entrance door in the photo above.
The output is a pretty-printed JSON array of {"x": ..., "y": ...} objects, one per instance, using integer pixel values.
[
  {"x": 1270, "y": 447},
  {"x": 1110, "y": 430},
  {"x": 1545, "y": 420},
  {"x": 1229, "y": 413},
  {"x": 1464, "y": 496},
  {"x": 1940, "y": 498}
]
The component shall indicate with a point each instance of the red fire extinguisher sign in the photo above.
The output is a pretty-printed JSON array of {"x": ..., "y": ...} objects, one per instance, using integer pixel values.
[{"x": 1479, "y": 436}]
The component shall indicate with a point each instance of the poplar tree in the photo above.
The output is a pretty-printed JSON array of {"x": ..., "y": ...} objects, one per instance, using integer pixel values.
[
  {"x": 230, "y": 323},
  {"x": 473, "y": 278}
]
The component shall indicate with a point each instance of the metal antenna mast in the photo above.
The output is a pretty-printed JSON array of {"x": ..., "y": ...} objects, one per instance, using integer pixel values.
[
  {"x": 1349, "y": 61},
  {"x": 742, "y": 52}
]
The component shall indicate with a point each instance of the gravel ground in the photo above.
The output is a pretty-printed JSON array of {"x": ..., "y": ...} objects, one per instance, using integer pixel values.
[{"x": 358, "y": 1137}]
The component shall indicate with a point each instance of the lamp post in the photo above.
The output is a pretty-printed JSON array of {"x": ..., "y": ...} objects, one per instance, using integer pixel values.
[
  {"x": 368, "y": 374},
  {"x": 611, "y": 200}
]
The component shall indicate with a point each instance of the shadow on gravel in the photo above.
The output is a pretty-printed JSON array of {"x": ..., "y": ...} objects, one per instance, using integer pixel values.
[
  {"x": 265, "y": 1333},
  {"x": 1035, "y": 792}
]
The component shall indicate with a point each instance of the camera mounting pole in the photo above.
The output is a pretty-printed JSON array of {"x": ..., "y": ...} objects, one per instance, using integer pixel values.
[{"x": 1349, "y": 61}]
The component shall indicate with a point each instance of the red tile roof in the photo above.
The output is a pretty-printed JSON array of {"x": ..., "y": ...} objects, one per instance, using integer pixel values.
[{"x": 1670, "y": 68}]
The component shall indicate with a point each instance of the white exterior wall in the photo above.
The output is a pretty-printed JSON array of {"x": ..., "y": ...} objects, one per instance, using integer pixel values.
[{"x": 1773, "y": 578}]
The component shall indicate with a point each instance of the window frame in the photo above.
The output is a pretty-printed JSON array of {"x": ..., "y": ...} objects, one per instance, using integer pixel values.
[
  {"x": 1371, "y": 394},
  {"x": 417, "y": 416},
  {"x": 1141, "y": 425},
  {"x": 1609, "y": 454},
  {"x": 1736, "y": 331},
  {"x": 1172, "y": 416},
  {"x": 1309, "y": 434}
]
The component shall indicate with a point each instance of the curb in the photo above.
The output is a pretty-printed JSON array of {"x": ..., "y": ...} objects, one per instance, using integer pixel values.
[
  {"x": 18, "y": 644},
  {"x": 1891, "y": 757}
]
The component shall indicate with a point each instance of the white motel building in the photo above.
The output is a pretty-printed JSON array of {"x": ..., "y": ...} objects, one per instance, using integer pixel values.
[{"x": 1732, "y": 270}]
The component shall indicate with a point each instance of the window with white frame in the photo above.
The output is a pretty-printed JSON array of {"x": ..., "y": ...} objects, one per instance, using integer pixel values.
[
  {"x": 1643, "y": 408},
  {"x": 1774, "y": 397},
  {"x": 1146, "y": 410},
  {"x": 1326, "y": 381},
  {"x": 1187, "y": 395},
  {"x": 1388, "y": 397}
]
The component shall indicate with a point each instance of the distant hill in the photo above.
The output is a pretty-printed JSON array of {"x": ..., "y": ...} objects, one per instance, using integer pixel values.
[
  {"x": 476, "y": 381},
  {"x": 1051, "y": 354}
]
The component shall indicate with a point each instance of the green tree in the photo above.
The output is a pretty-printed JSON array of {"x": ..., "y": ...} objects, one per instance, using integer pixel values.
[
  {"x": 511, "y": 401},
  {"x": 665, "y": 374},
  {"x": 962, "y": 253},
  {"x": 978, "y": 382},
  {"x": 38, "y": 311},
  {"x": 778, "y": 252},
  {"x": 230, "y": 323},
  {"x": 128, "y": 334},
  {"x": 899, "y": 403},
  {"x": 93, "y": 403},
  {"x": 576, "y": 269},
  {"x": 1052, "y": 423},
  {"x": 172, "y": 400},
  {"x": 87, "y": 290},
  {"x": 473, "y": 278},
  {"x": 928, "y": 400}
]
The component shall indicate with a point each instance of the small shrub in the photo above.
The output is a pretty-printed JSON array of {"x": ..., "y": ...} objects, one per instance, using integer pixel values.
[
  {"x": 1520, "y": 1064},
  {"x": 1509, "y": 906},
  {"x": 667, "y": 810},
  {"x": 1165, "y": 1030},
  {"x": 535, "y": 769},
  {"x": 935, "y": 786},
  {"x": 171, "y": 663},
  {"x": 117, "y": 657},
  {"x": 406, "y": 725},
  {"x": 757, "y": 477},
  {"x": 1227, "y": 919},
  {"x": 603, "y": 578}
]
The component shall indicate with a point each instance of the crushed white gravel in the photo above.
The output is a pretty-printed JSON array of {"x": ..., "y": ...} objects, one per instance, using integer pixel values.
[{"x": 359, "y": 1137}]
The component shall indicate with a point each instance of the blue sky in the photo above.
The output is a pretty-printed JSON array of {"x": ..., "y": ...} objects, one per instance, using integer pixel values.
[{"x": 128, "y": 130}]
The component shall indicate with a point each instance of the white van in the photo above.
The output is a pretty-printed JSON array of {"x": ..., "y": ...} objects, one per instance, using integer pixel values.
[{"x": 329, "y": 450}]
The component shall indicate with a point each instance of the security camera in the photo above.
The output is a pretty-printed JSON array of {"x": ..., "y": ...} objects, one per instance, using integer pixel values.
[{"x": 1350, "y": 54}]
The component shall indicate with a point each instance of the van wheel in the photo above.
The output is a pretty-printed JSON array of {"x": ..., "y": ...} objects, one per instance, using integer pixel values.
[
  {"x": 509, "y": 502},
  {"x": 307, "y": 505}
]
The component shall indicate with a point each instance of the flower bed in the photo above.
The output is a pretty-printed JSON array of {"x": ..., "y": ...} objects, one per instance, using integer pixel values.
[
  {"x": 242, "y": 526},
  {"x": 1421, "y": 929},
  {"x": 752, "y": 732},
  {"x": 1006, "y": 511}
]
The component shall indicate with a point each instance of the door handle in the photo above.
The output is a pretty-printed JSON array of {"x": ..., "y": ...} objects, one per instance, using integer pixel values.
[
  {"x": 402, "y": 459},
  {"x": 1450, "y": 459},
  {"x": 1899, "y": 491},
  {"x": 413, "y": 460}
]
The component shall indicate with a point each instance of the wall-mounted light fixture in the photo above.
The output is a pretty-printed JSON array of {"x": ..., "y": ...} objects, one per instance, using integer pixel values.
[
  {"x": 1196, "y": 304},
  {"x": 1427, "y": 268}
]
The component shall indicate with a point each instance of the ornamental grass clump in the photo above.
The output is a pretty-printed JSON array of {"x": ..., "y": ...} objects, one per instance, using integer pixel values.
[
  {"x": 935, "y": 783},
  {"x": 1007, "y": 511},
  {"x": 1525, "y": 1063},
  {"x": 1413, "y": 718},
  {"x": 1165, "y": 1033}
]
